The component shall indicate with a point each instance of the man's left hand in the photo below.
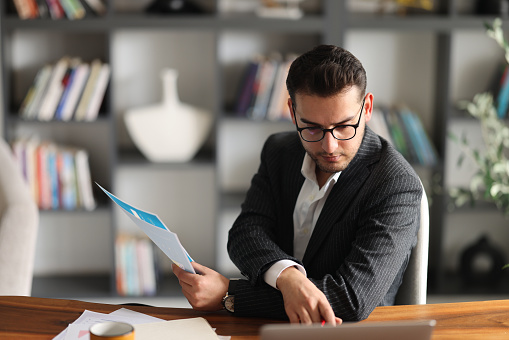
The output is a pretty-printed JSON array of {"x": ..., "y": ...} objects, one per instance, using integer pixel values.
[{"x": 204, "y": 291}]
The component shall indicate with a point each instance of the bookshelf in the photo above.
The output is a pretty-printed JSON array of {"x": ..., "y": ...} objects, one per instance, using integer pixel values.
[{"x": 410, "y": 59}]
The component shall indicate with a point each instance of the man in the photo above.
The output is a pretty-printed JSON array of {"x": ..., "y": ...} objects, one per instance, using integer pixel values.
[{"x": 332, "y": 214}]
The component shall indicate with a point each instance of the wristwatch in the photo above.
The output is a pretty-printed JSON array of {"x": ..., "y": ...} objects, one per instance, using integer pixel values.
[{"x": 229, "y": 298}]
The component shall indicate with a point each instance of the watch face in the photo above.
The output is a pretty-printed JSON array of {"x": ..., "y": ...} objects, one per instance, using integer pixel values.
[{"x": 229, "y": 303}]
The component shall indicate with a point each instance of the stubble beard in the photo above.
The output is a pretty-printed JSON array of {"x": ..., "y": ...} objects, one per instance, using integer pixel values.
[{"x": 326, "y": 167}]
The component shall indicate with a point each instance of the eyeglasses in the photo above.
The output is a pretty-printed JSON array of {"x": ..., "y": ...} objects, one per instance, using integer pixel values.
[{"x": 340, "y": 132}]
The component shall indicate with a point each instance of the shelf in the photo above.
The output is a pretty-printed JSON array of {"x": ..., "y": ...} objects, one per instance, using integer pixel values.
[
  {"x": 452, "y": 284},
  {"x": 92, "y": 286},
  {"x": 147, "y": 21},
  {"x": 68, "y": 286},
  {"x": 436, "y": 23},
  {"x": 102, "y": 119},
  {"x": 134, "y": 158}
]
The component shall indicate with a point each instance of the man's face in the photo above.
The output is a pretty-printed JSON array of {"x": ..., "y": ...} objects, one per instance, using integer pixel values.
[{"x": 329, "y": 154}]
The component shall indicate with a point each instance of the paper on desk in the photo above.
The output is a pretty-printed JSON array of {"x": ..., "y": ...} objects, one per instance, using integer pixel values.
[
  {"x": 189, "y": 329},
  {"x": 155, "y": 229}
]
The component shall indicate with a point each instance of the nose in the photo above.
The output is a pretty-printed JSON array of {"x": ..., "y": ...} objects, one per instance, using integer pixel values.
[{"x": 329, "y": 143}]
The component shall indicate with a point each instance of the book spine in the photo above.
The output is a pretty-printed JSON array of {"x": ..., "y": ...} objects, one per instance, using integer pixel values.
[
  {"x": 55, "y": 9},
  {"x": 55, "y": 90},
  {"x": 33, "y": 106},
  {"x": 81, "y": 109},
  {"x": 97, "y": 96},
  {"x": 84, "y": 180},
  {"x": 76, "y": 90}
]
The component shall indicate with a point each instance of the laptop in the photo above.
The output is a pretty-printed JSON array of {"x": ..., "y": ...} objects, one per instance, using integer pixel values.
[{"x": 401, "y": 330}]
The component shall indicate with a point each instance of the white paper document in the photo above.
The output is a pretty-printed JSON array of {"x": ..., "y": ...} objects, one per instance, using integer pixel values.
[
  {"x": 155, "y": 229},
  {"x": 146, "y": 327}
]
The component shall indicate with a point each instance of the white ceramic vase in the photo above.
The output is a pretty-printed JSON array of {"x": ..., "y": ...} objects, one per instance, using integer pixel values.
[{"x": 170, "y": 131}]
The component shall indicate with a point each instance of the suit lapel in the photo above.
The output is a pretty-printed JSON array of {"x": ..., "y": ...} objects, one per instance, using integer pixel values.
[{"x": 344, "y": 191}]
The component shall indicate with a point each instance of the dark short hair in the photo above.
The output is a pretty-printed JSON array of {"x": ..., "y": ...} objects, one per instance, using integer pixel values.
[{"x": 325, "y": 71}]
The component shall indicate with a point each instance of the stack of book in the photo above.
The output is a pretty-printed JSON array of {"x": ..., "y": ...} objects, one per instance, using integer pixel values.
[
  {"x": 69, "y": 89},
  {"x": 58, "y": 176},
  {"x": 404, "y": 130},
  {"x": 263, "y": 93},
  {"x": 58, "y": 9},
  {"x": 135, "y": 266}
]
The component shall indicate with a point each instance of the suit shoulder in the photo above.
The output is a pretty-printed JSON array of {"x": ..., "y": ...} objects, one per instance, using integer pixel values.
[{"x": 283, "y": 142}]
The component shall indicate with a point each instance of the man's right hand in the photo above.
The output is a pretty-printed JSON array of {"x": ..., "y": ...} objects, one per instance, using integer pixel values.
[{"x": 304, "y": 302}]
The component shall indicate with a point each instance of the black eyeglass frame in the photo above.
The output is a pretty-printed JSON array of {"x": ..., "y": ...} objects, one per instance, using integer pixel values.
[{"x": 324, "y": 131}]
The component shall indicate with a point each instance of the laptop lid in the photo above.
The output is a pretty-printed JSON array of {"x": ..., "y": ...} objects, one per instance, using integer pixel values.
[{"x": 414, "y": 330}]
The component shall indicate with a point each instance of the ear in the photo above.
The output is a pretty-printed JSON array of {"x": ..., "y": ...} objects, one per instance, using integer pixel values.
[
  {"x": 368, "y": 106},
  {"x": 290, "y": 107}
]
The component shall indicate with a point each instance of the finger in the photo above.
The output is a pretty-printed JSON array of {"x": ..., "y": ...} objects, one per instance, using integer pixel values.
[
  {"x": 326, "y": 313},
  {"x": 338, "y": 321},
  {"x": 293, "y": 317},
  {"x": 305, "y": 318},
  {"x": 176, "y": 269},
  {"x": 200, "y": 269}
]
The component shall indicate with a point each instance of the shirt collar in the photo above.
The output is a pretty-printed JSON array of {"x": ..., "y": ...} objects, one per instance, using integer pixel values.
[{"x": 308, "y": 171}]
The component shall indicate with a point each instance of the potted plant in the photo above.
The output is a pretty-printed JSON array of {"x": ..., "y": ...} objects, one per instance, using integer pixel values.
[{"x": 491, "y": 182}]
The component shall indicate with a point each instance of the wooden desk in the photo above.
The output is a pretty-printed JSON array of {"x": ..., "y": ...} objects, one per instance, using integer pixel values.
[{"x": 36, "y": 318}]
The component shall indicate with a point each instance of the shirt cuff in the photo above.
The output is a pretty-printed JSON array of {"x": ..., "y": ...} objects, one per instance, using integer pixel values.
[{"x": 277, "y": 268}]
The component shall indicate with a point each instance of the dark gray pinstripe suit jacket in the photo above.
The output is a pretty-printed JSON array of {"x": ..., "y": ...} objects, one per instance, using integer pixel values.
[{"x": 362, "y": 240}]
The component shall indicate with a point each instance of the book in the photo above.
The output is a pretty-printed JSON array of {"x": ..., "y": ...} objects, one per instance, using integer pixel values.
[
  {"x": 84, "y": 180},
  {"x": 98, "y": 92},
  {"x": 278, "y": 107},
  {"x": 266, "y": 83},
  {"x": 503, "y": 95},
  {"x": 66, "y": 82},
  {"x": 76, "y": 85},
  {"x": 67, "y": 179},
  {"x": 54, "y": 91},
  {"x": 30, "y": 106},
  {"x": 246, "y": 92},
  {"x": 378, "y": 124},
  {"x": 81, "y": 110},
  {"x": 429, "y": 154},
  {"x": 25, "y": 9},
  {"x": 55, "y": 9},
  {"x": 42, "y": 170},
  {"x": 396, "y": 131},
  {"x": 73, "y": 9},
  {"x": 146, "y": 267}
]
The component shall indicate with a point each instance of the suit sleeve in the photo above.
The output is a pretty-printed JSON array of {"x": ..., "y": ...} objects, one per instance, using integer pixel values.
[{"x": 253, "y": 239}]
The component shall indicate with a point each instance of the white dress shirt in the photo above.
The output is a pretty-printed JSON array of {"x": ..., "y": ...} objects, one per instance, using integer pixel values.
[{"x": 307, "y": 210}]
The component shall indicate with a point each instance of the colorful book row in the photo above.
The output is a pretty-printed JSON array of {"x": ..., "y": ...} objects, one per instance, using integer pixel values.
[
  {"x": 67, "y": 90},
  {"x": 263, "y": 93},
  {"x": 135, "y": 266},
  {"x": 58, "y": 176},
  {"x": 404, "y": 130},
  {"x": 58, "y": 9}
]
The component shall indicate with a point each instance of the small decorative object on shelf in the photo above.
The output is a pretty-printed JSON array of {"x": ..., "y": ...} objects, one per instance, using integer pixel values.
[
  {"x": 481, "y": 263},
  {"x": 496, "y": 7},
  {"x": 401, "y": 7},
  {"x": 282, "y": 9},
  {"x": 491, "y": 182},
  {"x": 173, "y": 7},
  {"x": 170, "y": 131}
]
